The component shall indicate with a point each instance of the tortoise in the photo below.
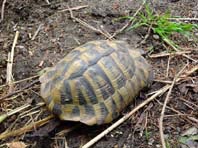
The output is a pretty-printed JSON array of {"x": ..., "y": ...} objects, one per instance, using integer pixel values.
[{"x": 94, "y": 82}]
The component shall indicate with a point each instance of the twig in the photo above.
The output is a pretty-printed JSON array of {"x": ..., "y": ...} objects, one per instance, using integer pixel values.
[
  {"x": 10, "y": 59},
  {"x": 168, "y": 66},
  {"x": 189, "y": 102},
  {"x": 124, "y": 118},
  {"x": 87, "y": 25},
  {"x": 43, "y": 59},
  {"x": 177, "y": 49},
  {"x": 163, "y": 81},
  {"x": 47, "y": 1},
  {"x": 186, "y": 74},
  {"x": 19, "y": 81},
  {"x": 2, "y": 10},
  {"x": 169, "y": 54},
  {"x": 34, "y": 108},
  {"x": 18, "y": 91},
  {"x": 37, "y": 31},
  {"x": 30, "y": 114},
  {"x": 193, "y": 119},
  {"x": 189, "y": 72},
  {"x": 147, "y": 35},
  {"x": 74, "y": 8},
  {"x": 178, "y": 112},
  {"x": 164, "y": 107},
  {"x": 184, "y": 19},
  {"x": 188, "y": 57},
  {"x": 27, "y": 128},
  {"x": 4, "y": 116},
  {"x": 130, "y": 22}
]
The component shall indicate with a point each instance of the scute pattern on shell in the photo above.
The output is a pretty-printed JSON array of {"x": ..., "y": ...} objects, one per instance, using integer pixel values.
[{"x": 95, "y": 82}]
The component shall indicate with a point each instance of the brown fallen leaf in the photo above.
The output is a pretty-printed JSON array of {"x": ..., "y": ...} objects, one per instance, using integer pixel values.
[{"x": 16, "y": 144}]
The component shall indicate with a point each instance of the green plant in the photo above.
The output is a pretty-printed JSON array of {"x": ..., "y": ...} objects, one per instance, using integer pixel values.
[
  {"x": 168, "y": 145},
  {"x": 147, "y": 134},
  {"x": 160, "y": 24}
]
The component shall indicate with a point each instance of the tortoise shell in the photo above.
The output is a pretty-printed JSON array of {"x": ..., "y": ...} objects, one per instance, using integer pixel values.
[{"x": 95, "y": 82}]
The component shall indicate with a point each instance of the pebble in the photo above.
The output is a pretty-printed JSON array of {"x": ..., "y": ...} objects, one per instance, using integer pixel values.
[
  {"x": 151, "y": 141},
  {"x": 155, "y": 36},
  {"x": 158, "y": 146}
]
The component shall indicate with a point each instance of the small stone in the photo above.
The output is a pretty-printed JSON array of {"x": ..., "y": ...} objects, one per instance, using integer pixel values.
[
  {"x": 190, "y": 40},
  {"x": 151, "y": 141},
  {"x": 119, "y": 132},
  {"x": 158, "y": 145},
  {"x": 155, "y": 36}
]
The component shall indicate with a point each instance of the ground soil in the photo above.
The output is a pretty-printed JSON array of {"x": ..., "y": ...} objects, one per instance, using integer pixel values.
[{"x": 58, "y": 35}]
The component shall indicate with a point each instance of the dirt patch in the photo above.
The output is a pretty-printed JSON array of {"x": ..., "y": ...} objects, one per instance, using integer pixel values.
[{"x": 58, "y": 34}]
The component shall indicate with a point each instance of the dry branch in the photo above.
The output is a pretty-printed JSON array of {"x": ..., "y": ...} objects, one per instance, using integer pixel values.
[
  {"x": 74, "y": 8},
  {"x": 36, "y": 32},
  {"x": 25, "y": 129},
  {"x": 4, "y": 116},
  {"x": 184, "y": 19},
  {"x": 47, "y": 1},
  {"x": 2, "y": 10},
  {"x": 19, "y": 81},
  {"x": 164, "y": 107},
  {"x": 179, "y": 113},
  {"x": 169, "y": 54},
  {"x": 18, "y": 91}
]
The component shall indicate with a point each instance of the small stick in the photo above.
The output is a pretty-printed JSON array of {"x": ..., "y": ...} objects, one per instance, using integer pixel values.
[
  {"x": 147, "y": 35},
  {"x": 168, "y": 66},
  {"x": 189, "y": 102},
  {"x": 2, "y": 10},
  {"x": 27, "y": 128},
  {"x": 47, "y": 1},
  {"x": 30, "y": 114},
  {"x": 10, "y": 59},
  {"x": 87, "y": 25},
  {"x": 162, "y": 81},
  {"x": 183, "y": 76},
  {"x": 189, "y": 72},
  {"x": 178, "y": 112},
  {"x": 43, "y": 59},
  {"x": 169, "y": 54},
  {"x": 18, "y": 91},
  {"x": 184, "y": 19},
  {"x": 37, "y": 31},
  {"x": 188, "y": 57},
  {"x": 176, "y": 49},
  {"x": 193, "y": 119},
  {"x": 124, "y": 118},
  {"x": 74, "y": 8},
  {"x": 164, "y": 107},
  {"x": 34, "y": 108},
  {"x": 19, "y": 81},
  {"x": 4, "y": 116}
]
